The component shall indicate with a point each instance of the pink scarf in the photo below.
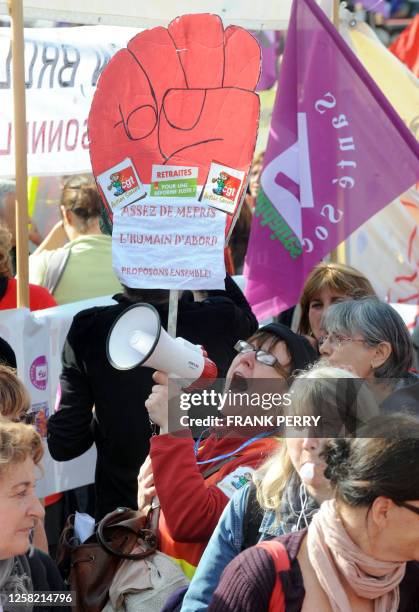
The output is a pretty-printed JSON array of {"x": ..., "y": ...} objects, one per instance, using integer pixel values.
[{"x": 331, "y": 551}]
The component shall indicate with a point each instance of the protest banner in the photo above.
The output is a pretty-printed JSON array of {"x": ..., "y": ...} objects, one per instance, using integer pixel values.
[
  {"x": 337, "y": 154},
  {"x": 386, "y": 248},
  {"x": 62, "y": 66},
  {"x": 171, "y": 146},
  {"x": 61, "y": 476},
  {"x": 266, "y": 14},
  {"x": 37, "y": 339}
]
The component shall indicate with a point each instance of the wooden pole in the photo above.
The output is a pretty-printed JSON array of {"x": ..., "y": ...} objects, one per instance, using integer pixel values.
[{"x": 19, "y": 125}]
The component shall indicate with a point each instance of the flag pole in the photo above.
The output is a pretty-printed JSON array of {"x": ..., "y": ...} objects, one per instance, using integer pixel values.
[
  {"x": 337, "y": 255},
  {"x": 18, "y": 70}
]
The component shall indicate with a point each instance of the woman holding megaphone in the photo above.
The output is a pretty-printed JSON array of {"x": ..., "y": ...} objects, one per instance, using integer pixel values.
[{"x": 194, "y": 479}]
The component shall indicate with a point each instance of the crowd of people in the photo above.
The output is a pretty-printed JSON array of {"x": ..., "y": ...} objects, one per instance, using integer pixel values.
[{"x": 275, "y": 517}]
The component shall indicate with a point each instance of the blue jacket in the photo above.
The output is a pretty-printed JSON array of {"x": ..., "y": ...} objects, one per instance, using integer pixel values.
[{"x": 225, "y": 544}]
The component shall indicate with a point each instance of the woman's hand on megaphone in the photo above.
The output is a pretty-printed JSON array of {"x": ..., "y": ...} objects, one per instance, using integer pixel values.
[
  {"x": 146, "y": 488},
  {"x": 157, "y": 401}
]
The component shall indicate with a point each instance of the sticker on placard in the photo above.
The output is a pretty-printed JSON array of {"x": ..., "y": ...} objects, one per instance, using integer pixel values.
[
  {"x": 121, "y": 185},
  {"x": 173, "y": 181},
  {"x": 38, "y": 372},
  {"x": 223, "y": 187}
]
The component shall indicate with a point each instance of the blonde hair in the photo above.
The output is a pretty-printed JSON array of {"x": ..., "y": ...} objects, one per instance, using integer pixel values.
[
  {"x": 336, "y": 277},
  {"x": 258, "y": 159},
  {"x": 5, "y": 246},
  {"x": 14, "y": 397},
  {"x": 17, "y": 443},
  {"x": 272, "y": 478}
]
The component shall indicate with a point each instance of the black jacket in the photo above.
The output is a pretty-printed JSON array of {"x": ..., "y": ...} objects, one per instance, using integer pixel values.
[{"x": 120, "y": 426}]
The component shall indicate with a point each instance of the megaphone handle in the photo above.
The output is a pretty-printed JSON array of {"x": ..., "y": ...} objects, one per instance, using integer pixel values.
[{"x": 154, "y": 428}]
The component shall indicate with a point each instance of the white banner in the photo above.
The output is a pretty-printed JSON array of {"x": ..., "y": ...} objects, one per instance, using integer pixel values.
[
  {"x": 265, "y": 14},
  {"x": 386, "y": 250},
  {"x": 174, "y": 247},
  {"x": 37, "y": 339},
  {"x": 62, "y": 66}
]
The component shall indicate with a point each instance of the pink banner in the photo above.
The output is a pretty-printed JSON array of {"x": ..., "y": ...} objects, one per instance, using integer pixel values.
[{"x": 337, "y": 153}]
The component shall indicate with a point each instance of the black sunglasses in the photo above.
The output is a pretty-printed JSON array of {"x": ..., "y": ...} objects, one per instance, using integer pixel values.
[{"x": 410, "y": 507}]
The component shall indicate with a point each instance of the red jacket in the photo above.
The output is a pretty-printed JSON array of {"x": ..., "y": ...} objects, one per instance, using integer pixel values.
[
  {"x": 192, "y": 505},
  {"x": 39, "y": 297}
]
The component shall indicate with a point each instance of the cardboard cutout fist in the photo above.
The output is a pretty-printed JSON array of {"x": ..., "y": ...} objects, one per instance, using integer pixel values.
[{"x": 180, "y": 96}]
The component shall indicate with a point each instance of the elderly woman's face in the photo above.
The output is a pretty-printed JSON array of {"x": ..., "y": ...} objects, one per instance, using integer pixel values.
[
  {"x": 19, "y": 508},
  {"x": 351, "y": 353}
]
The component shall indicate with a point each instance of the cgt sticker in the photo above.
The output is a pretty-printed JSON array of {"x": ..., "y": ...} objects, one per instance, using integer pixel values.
[
  {"x": 223, "y": 188},
  {"x": 121, "y": 185},
  {"x": 234, "y": 481}
]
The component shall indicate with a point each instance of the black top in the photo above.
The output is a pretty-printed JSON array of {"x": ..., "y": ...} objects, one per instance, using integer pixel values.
[
  {"x": 45, "y": 577},
  {"x": 248, "y": 581},
  {"x": 120, "y": 426}
]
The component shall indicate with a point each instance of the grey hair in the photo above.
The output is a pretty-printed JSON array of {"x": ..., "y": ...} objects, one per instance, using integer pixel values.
[
  {"x": 7, "y": 186},
  {"x": 376, "y": 322}
]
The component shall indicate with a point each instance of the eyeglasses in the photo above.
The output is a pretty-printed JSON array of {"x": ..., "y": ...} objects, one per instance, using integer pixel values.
[
  {"x": 262, "y": 356},
  {"x": 410, "y": 507},
  {"x": 336, "y": 340}
]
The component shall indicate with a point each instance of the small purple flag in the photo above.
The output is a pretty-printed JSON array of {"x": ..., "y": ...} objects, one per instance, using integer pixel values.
[
  {"x": 269, "y": 41},
  {"x": 337, "y": 153}
]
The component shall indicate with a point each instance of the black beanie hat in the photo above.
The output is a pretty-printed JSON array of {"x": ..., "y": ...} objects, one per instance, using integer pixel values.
[{"x": 300, "y": 349}]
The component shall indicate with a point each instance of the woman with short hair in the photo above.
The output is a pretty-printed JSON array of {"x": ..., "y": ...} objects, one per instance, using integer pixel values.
[
  {"x": 14, "y": 397},
  {"x": 23, "y": 569},
  {"x": 368, "y": 336},
  {"x": 82, "y": 267}
]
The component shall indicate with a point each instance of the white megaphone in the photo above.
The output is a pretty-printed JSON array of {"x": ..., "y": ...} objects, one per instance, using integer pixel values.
[{"x": 137, "y": 338}]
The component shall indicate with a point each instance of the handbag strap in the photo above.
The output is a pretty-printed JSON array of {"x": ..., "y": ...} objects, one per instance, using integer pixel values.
[
  {"x": 252, "y": 519},
  {"x": 214, "y": 468},
  {"x": 55, "y": 268},
  {"x": 132, "y": 523},
  {"x": 281, "y": 561},
  {"x": 153, "y": 516}
]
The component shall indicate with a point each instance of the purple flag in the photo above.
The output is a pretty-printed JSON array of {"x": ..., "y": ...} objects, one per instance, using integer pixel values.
[
  {"x": 269, "y": 45},
  {"x": 337, "y": 153}
]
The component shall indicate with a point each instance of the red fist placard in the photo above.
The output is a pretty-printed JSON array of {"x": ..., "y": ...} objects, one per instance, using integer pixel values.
[{"x": 181, "y": 96}]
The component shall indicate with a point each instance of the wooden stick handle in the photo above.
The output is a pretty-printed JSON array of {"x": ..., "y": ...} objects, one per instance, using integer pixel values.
[{"x": 19, "y": 103}]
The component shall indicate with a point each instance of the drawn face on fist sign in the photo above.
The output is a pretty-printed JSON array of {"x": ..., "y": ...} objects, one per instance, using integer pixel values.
[{"x": 178, "y": 96}]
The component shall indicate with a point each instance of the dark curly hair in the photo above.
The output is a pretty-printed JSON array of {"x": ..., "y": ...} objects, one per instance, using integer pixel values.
[{"x": 364, "y": 468}]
